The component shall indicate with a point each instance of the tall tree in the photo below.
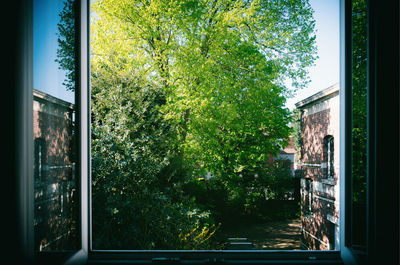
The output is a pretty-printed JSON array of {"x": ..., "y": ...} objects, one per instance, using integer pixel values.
[
  {"x": 222, "y": 65},
  {"x": 66, "y": 51},
  {"x": 134, "y": 204}
]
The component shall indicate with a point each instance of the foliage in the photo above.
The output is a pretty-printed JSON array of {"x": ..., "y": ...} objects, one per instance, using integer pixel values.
[
  {"x": 222, "y": 66},
  {"x": 279, "y": 180},
  {"x": 198, "y": 237},
  {"x": 297, "y": 140},
  {"x": 132, "y": 208},
  {"x": 359, "y": 79},
  {"x": 359, "y": 119},
  {"x": 248, "y": 195},
  {"x": 66, "y": 52},
  {"x": 185, "y": 88}
]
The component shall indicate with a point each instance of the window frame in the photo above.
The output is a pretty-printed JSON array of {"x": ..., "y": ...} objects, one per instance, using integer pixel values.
[
  {"x": 382, "y": 180},
  {"x": 23, "y": 145},
  {"x": 310, "y": 196},
  {"x": 329, "y": 157},
  {"x": 244, "y": 256}
]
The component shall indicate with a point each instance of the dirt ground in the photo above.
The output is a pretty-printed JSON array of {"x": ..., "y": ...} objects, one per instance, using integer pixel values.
[{"x": 269, "y": 236}]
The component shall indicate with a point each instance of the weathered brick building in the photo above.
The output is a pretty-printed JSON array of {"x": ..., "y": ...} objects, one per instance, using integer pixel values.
[
  {"x": 319, "y": 163},
  {"x": 55, "y": 182}
]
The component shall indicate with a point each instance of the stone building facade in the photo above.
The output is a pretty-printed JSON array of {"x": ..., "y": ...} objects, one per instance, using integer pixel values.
[
  {"x": 319, "y": 164},
  {"x": 55, "y": 181}
]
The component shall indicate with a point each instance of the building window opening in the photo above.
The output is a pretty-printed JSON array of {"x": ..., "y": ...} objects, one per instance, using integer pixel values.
[
  {"x": 40, "y": 158},
  {"x": 309, "y": 197},
  {"x": 329, "y": 156}
]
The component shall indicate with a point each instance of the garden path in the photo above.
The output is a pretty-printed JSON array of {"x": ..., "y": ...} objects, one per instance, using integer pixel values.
[{"x": 277, "y": 235}]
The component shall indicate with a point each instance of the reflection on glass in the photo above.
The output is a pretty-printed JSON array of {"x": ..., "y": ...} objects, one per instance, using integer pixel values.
[
  {"x": 359, "y": 132},
  {"x": 56, "y": 201}
]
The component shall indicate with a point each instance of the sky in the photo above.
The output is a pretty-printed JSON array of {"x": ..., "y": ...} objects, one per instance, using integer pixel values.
[{"x": 49, "y": 78}]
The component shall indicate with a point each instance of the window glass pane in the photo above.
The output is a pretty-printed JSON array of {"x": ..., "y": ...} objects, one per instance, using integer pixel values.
[
  {"x": 56, "y": 178},
  {"x": 359, "y": 132},
  {"x": 208, "y": 124}
]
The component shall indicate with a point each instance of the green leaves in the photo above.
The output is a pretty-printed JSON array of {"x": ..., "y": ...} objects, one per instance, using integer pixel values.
[
  {"x": 182, "y": 88},
  {"x": 66, "y": 41},
  {"x": 137, "y": 202}
]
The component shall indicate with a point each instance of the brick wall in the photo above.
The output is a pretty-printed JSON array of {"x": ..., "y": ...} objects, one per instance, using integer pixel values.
[
  {"x": 314, "y": 129},
  {"x": 56, "y": 207},
  {"x": 320, "y": 119}
]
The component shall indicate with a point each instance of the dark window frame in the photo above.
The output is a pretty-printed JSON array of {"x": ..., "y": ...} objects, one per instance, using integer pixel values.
[
  {"x": 382, "y": 180},
  {"x": 329, "y": 156},
  {"x": 308, "y": 191},
  {"x": 39, "y": 160},
  {"x": 310, "y": 194}
]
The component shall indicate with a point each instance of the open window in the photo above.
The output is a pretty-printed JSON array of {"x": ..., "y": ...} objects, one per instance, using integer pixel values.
[
  {"x": 32, "y": 158},
  {"x": 51, "y": 144},
  {"x": 59, "y": 130}
]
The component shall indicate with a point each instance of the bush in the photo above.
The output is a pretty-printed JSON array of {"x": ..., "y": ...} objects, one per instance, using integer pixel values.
[
  {"x": 249, "y": 195},
  {"x": 137, "y": 199}
]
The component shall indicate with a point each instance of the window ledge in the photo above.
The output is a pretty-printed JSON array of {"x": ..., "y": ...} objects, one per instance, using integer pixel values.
[
  {"x": 216, "y": 257},
  {"x": 329, "y": 181},
  {"x": 332, "y": 219}
]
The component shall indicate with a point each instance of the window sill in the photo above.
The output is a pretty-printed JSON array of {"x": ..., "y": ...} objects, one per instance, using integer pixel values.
[
  {"x": 329, "y": 181},
  {"x": 216, "y": 257},
  {"x": 332, "y": 219}
]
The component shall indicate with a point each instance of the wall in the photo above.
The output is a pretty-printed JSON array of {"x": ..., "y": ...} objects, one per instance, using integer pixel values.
[
  {"x": 55, "y": 218},
  {"x": 320, "y": 118}
]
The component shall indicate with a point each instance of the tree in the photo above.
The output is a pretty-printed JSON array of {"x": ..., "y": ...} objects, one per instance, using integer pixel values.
[
  {"x": 222, "y": 66},
  {"x": 182, "y": 88},
  {"x": 66, "y": 51},
  {"x": 132, "y": 206}
]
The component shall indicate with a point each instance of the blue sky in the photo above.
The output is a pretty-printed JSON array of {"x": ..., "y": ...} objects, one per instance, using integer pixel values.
[{"x": 49, "y": 78}]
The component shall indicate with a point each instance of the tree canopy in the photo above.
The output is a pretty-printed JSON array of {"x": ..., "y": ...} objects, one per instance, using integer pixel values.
[
  {"x": 182, "y": 89},
  {"x": 66, "y": 51},
  {"x": 222, "y": 65}
]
